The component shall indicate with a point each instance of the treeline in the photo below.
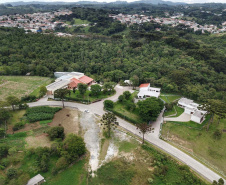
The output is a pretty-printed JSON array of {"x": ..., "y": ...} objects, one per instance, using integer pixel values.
[{"x": 162, "y": 64}]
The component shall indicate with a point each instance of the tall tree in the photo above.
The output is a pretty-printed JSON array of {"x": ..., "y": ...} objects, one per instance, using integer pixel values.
[
  {"x": 135, "y": 81},
  {"x": 96, "y": 89},
  {"x": 150, "y": 108},
  {"x": 42, "y": 90},
  {"x": 13, "y": 100},
  {"x": 82, "y": 88},
  {"x": 144, "y": 128},
  {"x": 4, "y": 116},
  {"x": 109, "y": 121},
  {"x": 61, "y": 93}
]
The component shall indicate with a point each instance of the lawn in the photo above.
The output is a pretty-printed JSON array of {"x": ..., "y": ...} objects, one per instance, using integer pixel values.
[
  {"x": 168, "y": 98},
  {"x": 21, "y": 85},
  {"x": 120, "y": 108},
  {"x": 200, "y": 142},
  {"x": 75, "y": 174},
  {"x": 171, "y": 112},
  {"x": 87, "y": 96}
]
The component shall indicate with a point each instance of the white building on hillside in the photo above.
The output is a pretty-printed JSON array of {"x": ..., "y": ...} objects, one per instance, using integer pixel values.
[
  {"x": 191, "y": 108},
  {"x": 36, "y": 180},
  {"x": 147, "y": 91}
]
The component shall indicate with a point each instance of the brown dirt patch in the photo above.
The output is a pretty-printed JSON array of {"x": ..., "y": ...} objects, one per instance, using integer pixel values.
[
  {"x": 67, "y": 118},
  {"x": 27, "y": 127},
  {"x": 38, "y": 141}
]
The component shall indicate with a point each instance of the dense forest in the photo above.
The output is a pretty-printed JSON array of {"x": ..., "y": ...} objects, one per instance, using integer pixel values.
[{"x": 175, "y": 60}]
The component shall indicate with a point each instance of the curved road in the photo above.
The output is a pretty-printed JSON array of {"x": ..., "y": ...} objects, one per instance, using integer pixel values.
[{"x": 153, "y": 138}]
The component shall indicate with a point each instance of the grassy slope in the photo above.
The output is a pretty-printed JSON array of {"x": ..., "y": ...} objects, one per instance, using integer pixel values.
[
  {"x": 200, "y": 142},
  {"x": 76, "y": 174},
  {"x": 21, "y": 85}
]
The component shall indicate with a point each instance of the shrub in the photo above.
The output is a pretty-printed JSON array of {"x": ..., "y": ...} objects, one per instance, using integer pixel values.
[
  {"x": 121, "y": 98},
  {"x": 169, "y": 106},
  {"x": 56, "y": 132},
  {"x": 4, "y": 162},
  {"x": 61, "y": 164},
  {"x": 28, "y": 98},
  {"x": 130, "y": 106},
  {"x": 217, "y": 134},
  {"x": 108, "y": 104},
  {"x": 23, "y": 106},
  {"x": 3, "y": 150},
  {"x": 11, "y": 173},
  {"x": 127, "y": 95},
  {"x": 2, "y": 132},
  {"x": 18, "y": 126},
  {"x": 73, "y": 147}
]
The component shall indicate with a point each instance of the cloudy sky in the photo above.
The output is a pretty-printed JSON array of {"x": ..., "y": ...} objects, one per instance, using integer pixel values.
[{"x": 186, "y": 1}]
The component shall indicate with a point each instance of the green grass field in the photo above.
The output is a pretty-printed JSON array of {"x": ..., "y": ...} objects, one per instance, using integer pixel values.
[
  {"x": 75, "y": 174},
  {"x": 21, "y": 85},
  {"x": 78, "y": 22},
  {"x": 200, "y": 142},
  {"x": 88, "y": 97},
  {"x": 169, "y": 98},
  {"x": 179, "y": 111}
]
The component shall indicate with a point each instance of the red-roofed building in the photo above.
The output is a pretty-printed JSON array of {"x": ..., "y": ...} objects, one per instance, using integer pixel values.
[
  {"x": 87, "y": 80},
  {"x": 74, "y": 83},
  {"x": 144, "y": 85}
]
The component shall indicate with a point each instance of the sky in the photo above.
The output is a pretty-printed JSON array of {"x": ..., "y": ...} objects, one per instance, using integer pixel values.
[{"x": 185, "y": 1}]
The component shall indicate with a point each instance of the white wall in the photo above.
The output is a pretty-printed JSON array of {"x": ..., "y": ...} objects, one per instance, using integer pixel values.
[{"x": 195, "y": 119}]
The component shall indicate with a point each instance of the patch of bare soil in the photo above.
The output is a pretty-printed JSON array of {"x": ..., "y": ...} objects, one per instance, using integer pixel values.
[
  {"x": 180, "y": 142},
  {"x": 67, "y": 118},
  {"x": 38, "y": 141},
  {"x": 27, "y": 127}
]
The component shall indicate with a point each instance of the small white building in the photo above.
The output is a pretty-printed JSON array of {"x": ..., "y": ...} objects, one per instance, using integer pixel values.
[
  {"x": 191, "y": 108},
  {"x": 147, "y": 91},
  {"x": 36, "y": 180}
]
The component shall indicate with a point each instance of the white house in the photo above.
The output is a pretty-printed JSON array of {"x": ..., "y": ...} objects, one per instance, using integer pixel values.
[
  {"x": 147, "y": 91},
  {"x": 191, "y": 108},
  {"x": 36, "y": 180}
]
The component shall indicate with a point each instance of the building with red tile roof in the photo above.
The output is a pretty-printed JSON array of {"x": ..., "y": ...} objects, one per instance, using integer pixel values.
[
  {"x": 87, "y": 80},
  {"x": 144, "y": 85}
]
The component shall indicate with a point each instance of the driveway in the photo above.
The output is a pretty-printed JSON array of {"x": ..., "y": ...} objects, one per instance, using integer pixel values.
[
  {"x": 153, "y": 138},
  {"x": 182, "y": 118}
]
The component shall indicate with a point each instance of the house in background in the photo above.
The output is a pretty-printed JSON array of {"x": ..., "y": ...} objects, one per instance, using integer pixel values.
[
  {"x": 36, "y": 180},
  {"x": 68, "y": 80},
  {"x": 146, "y": 91},
  {"x": 191, "y": 108}
]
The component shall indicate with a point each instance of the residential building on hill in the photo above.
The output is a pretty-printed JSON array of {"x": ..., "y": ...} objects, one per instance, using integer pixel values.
[
  {"x": 36, "y": 180},
  {"x": 68, "y": 80},
  {"x": 146, "y": 91},
  {"x": 191, "y": 108}
]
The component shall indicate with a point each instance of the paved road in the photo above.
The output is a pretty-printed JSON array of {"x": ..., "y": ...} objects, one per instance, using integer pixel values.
[{"x": 152, "y": 138}]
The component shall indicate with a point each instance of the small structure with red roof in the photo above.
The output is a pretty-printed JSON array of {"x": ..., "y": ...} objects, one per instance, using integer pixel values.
[{"x": 147, "y": 91}]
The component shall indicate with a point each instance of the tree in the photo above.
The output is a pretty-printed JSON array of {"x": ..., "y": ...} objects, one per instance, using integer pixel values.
[
  {"x": 73, "y": 147},
  {"x": 96, "y": 89},
  {"x": 11, "y": 173},
  {"x": 82, "y": 88},
  {"x": 108, "y": 104},
  {"x": 121, "y": 98},
  {"x": 135, "y": 81},
  {"x": 56, "y": 132},
  {"x": 3, "y": 150},
  {"x": 109, "y": 86},
  {"x": 109, "y": 121},
  {"x": 4, "y": 116},
  {"x": 13, "y": 100},
  {"x": 42, "y": 90},
  {"x": 150, "y": 108},
  {"x": 61, "y": 93},
  {"x": 221, "y": 181},
  {"x": 127, "y": 94},
  {"x": 143, "y": 129}
]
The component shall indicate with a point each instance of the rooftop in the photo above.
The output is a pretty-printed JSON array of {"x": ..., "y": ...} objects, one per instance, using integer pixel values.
[
  {"x": 144, "y": 85},
  {"x": 86, "y": 79},
  {"x": 35, "y": 180}
]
